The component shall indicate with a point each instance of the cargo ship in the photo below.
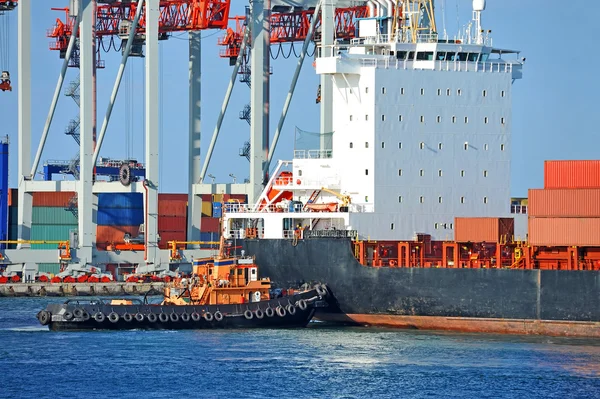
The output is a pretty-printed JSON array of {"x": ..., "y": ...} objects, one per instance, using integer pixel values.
[{"x": 404, "y": 209}]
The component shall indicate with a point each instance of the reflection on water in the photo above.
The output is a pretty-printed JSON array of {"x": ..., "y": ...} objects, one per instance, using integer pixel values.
[{"x": 316, "y": 362}]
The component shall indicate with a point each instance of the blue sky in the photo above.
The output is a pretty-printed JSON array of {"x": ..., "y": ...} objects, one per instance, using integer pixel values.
[{"x": 554, "y": 106}]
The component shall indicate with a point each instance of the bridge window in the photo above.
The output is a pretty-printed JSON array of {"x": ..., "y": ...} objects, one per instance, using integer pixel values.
[
  {"x": 425, "y": 56},
  {"x": 440, "y": 56},
  {"x": 461, "y": 57},
  {"x": 473, "y": 57},
  {"x": 401, "y": 55},
  {"x": 450, "y": 56}
]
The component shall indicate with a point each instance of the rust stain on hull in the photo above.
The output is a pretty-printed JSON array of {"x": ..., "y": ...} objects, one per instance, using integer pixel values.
[{"x": 473, "y": 325}]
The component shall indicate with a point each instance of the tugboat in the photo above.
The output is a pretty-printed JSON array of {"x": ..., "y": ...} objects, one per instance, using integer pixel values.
[{"x": 223, "y": 292}]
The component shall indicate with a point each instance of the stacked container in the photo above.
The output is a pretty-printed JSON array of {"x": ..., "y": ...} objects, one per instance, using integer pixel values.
[
  {"x": 172, "y": 218},
  {"x": 479, "y": 229},
  {"x": 51, "y": 218},
  {"x": 118, "y": 213},
  {"x": 567, "y": 211}
]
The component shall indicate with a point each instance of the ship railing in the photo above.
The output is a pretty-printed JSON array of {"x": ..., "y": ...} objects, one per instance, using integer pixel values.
[
  {"x": 332, "y": 183},
  {"x": 313, "y": 154},
  {"x": 241, "y": 234},
  {"x": 454, "y": 66}
]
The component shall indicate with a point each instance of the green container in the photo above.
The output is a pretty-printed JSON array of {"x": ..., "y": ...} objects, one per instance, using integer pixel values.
[
  {"x": 50, "y": 232},
  {"x": 52, "y": 215},
  {"x": 52, "y": 268}
]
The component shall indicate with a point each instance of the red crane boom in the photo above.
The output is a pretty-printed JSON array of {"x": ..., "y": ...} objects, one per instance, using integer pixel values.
[
  {"x": 293, "y": 27},
  {"x": 175, "y": 16}
]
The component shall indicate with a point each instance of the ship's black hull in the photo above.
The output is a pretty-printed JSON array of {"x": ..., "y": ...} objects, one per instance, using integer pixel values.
[
  {"x": 531, "y": 301},
  {"x": 83, "y": 314}
]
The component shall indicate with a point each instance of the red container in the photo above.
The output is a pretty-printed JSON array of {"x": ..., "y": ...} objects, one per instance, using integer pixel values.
[
  {"x": 166, "y": 236},
  {"x": 206, "y": 197},
  {"x": 172, "y": 223},
  {"x": 113, "y": 234},
  {"x": 172, "y": 208},
  {"x": 562, "y": 232},
  {"x": 572, "y": 174},
  {"x": 57, "y": 199},
  {"x": 172, "y": 197},
  {"x": 564, "y": 203},
  {"x": 483, "y": 229},
  {"x": 210, "y": 225}
]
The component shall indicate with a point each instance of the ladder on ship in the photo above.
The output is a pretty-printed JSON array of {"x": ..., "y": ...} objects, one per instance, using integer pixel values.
[{"x": 313, "y": 197}]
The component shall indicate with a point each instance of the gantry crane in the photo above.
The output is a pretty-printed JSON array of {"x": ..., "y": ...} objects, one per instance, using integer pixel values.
[{"x": 5, "y": 5}]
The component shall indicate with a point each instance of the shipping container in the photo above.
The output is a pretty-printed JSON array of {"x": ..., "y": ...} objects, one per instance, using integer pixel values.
[
  {"x": 172, "y": 223},
  {"x": 52, "y": 215},
  {"x": 13, "y": 215},
  {"x": 57, "y": 199},
  {"x": 483, "y": 229},
  {"x": 217, "y": 197},
  {"x": 52, "y": 268},
  {"x": 13, "y": 234},
  {"x": 572, "y": 174},
  {"x": 13, "y": 197},
  {"x": 564, "y": 203},
  {"x": 50, "y": 232},
  {"x": 166, "y": 236},
  {"x": 217, "y": 210},
  {"x": 121, "y": 200},
  {"x": 172, "y": 197},
  {"x": 561, "y": 232},
  {"x": 172, "y": 207},
  {"x": 206, "y": 197},
  {"x": 120, "y": 217},
  {"x": 207, "y": 209},
  {"x": 114, "y": 234},
  {"x": 210, "y": 225}
]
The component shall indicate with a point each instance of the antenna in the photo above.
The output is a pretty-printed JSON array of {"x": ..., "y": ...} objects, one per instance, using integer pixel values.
[{"x": 478, "y": 7}]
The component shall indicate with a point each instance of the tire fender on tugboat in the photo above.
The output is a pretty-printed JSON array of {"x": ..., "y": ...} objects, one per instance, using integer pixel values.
[
  {"x": 301, "y": 304},
  {"x": 280, "y": 311},
  {"x": 248, "y": 314},
  {"x": 78, "y": 313},
  {"x": 259, "y": 313},
  {"x": 139, "y": 317},
  {"x": 163, "y": 317},
  {"x": 208, "y": 316},
  {"x": 185, "y": 317},
  {"x": 127, "y": 317},
  {"x": 44, "y": 317},
  {"x": 196, "y": 316},
  {"x": 68, "y": 316},
  {"x": 99, "y": 317},
  {"x": 321, "y": 290},
  {"x": 152, "y": 317},
  {"x": 218, "y": 316},
  {"x": 291, "y": 309},
  {"x": 269, "y": 312},
  {"x": 113, "y": 317}
]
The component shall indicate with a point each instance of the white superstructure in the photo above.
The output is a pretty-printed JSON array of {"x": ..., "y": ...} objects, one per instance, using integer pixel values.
[{"x": 421, "y": 133}]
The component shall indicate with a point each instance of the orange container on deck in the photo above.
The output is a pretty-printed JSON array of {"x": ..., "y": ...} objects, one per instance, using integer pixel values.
[
  {"x": 113, "y": 234},
  {"x": 56, "y": 199},
  {"x": 572, "y": 174},
  {"x": 483, "y": 229},
  {"x": 564, "y": 203},
  {"x": 563, "y": 232}
]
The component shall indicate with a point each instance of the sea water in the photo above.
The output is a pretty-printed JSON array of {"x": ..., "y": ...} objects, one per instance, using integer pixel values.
[{"x": 313, "y": 362}]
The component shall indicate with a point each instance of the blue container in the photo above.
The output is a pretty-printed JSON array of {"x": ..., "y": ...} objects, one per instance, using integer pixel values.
[
  {"x": 217, "y": 209},
  {"x": 121, "y": 200},
  {"x": 120, "y": 217},
  {"x": 4, "y": 191}
]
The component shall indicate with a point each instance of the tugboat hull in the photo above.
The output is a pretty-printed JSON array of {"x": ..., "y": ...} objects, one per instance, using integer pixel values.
[{"x": 96, "y": 314}]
